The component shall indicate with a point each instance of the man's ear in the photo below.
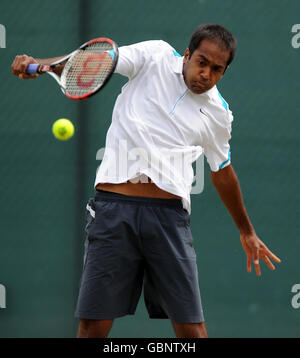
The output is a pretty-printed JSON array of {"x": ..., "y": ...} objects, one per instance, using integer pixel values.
[{"x": 186, "y": 55}]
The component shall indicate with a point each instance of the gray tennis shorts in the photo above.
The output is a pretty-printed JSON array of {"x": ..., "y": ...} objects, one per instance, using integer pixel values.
[{"x": 136, "y": 243}]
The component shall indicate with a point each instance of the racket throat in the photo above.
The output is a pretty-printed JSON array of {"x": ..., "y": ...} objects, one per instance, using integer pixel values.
[{"x": 57, "y": 69}]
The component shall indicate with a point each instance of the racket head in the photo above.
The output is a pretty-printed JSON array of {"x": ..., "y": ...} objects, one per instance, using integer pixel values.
[{"x": 89, "y": 68}]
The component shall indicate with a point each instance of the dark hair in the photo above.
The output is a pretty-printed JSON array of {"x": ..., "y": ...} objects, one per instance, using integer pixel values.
[{"x": 216, "y": 33}]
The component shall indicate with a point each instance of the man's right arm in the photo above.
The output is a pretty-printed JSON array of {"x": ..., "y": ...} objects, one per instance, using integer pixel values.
[{"x": 20, "y": 63}]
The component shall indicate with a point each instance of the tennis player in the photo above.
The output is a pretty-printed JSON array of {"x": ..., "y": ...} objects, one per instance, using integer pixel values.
[{"x": 138, "y": 223}]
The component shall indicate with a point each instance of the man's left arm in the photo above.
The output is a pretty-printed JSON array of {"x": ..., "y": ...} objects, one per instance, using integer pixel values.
[{"x": 227, "y": 185}]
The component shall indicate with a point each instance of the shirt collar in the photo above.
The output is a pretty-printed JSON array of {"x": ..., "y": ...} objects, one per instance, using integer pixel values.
[
  {"x": 210, "y": 92},
  {"x": 177, "y": 64}
]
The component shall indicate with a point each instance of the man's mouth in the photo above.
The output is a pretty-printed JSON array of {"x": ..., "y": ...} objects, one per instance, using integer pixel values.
[{"x": 199, "y": 86}]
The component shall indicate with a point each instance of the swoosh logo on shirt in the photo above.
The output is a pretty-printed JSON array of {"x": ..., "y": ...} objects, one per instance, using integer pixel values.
[{"x": 201, "y": 110}]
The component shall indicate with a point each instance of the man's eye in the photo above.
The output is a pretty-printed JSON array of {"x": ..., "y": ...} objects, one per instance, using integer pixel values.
[{"x": 217, "y": 69}]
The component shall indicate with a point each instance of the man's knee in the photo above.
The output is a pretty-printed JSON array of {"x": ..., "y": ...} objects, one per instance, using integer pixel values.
[
  {"x": 190, "y": 330},
  {"x": 94, "y": 328}
]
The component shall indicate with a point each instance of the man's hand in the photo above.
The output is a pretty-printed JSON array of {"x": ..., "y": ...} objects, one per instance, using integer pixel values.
[
  {"x": 227, "y": 185},
  {"x": 255, "y": 250},
  {"x": 18, "y": 67}
]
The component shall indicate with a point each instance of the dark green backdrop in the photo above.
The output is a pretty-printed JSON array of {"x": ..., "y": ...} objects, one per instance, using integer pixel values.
[{"x": 45, "y": 183}]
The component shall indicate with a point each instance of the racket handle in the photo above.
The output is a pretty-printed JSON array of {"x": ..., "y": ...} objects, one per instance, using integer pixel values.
[{"x": 32, "y": 68}]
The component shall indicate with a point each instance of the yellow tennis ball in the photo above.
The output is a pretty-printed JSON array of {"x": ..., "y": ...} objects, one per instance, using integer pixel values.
[{"x": 63, "y": 129}]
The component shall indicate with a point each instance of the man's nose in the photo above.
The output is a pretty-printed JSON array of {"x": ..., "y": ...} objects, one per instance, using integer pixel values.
[{"x": 205, "y": 73}]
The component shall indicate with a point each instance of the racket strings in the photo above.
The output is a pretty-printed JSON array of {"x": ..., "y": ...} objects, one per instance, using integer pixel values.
[{"x": 88, "y": 69}]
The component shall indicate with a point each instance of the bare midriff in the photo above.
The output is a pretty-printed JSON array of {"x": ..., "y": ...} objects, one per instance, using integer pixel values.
[{"x": 147, "y": 190}]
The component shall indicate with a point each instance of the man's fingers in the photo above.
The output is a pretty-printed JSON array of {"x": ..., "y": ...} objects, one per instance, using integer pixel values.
[
  {"x": 20, "y": 65},
  {"x": 24, "y": 76},
  {"x": 257, "y": 267},
  {"x": 256, "y": 262},
  {"x": 255, "y": 250},
  {"x": 15, "y": 66},
  {"x": 268, "y": 262},
  {"x": 272, "y": 256},
  {"x": 249, "y": 264}
]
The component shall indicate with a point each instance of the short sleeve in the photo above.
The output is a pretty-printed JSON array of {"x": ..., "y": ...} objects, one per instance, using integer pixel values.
[
  {"x": 134, "y": 57},
  {"x": 216, "y": 140}
]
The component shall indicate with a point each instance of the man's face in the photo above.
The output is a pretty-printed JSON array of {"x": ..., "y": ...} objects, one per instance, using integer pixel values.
[{"x": 205, "y": 67}]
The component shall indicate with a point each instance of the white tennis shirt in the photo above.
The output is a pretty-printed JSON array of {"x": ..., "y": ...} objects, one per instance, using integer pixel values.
[{"x": 159, "y": 127}]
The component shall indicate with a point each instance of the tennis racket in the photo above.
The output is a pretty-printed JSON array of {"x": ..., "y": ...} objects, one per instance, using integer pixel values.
[{"x": 84, "y": 71}]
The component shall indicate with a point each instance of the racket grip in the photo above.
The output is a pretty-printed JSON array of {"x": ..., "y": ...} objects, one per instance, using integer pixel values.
[{"x": 32, "y": 68}]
